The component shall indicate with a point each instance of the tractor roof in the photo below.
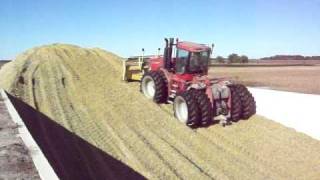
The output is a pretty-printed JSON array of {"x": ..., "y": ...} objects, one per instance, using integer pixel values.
[{"x": 193, "y": 47}]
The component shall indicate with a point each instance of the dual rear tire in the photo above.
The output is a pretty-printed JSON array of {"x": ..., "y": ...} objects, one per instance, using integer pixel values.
[
  {"x": 185, "y": 109},
  {"x": 193, "y": 108},
  {"x": 243, "y": 105}
]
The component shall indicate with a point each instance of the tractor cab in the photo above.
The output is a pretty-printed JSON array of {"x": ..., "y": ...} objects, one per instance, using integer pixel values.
[
  {"x": 191, "y": 58},
  {"x": 180, "y": 58}
]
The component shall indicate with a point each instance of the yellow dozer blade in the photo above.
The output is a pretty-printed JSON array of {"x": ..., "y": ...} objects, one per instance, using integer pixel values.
[{"x": 134, "y": 68}]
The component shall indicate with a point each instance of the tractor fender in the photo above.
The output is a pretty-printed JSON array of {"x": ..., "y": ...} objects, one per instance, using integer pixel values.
[{"x": 156, "y": 64}]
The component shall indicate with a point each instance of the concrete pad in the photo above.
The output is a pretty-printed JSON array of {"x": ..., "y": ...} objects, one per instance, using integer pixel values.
[
  {"x": 296, "y": 110},
  {"x": 41, "y": 163}
]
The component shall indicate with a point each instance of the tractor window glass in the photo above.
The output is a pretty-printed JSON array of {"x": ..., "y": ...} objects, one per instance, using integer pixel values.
[
  {"x": 205, "y": 59},
  {"x": 198, "y": 62},
  {"x": 182, "y": 59}
]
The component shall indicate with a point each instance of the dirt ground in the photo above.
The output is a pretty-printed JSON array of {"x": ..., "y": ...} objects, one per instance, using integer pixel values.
[
  {"x": 302, "y": 79},
  {"x": 15, "y": 160},
  {"x": 80, "y": 91}
]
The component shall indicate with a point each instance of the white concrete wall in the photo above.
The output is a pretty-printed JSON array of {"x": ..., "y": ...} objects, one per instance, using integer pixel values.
[{"x": 295, "y": 110}]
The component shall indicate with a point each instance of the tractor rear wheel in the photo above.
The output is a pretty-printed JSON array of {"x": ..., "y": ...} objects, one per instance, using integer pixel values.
[
  {"x": 154, "y": 86},
  {"x": 247, "y": 102},
  {"x": 204, "y": 105},
  {"x": 185, "y": 109},
  {"x": 236, "y": 106}
]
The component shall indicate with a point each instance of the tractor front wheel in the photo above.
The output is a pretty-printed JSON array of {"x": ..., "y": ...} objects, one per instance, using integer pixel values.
[
  {"x": 186, "y": 110},
  {"x": 153, "y": 85}
]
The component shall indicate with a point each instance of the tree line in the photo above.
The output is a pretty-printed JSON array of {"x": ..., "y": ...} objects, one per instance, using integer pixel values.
[
  {"x": 235, "y": 58},
  {"x": 232, "y": 58},
  {"x": 291, "y": 57}
]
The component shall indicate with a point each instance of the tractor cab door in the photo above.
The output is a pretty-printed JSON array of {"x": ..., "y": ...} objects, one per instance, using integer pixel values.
[
  {"x": 199, "y": 62},
  {"x": 181, "y": 61}
]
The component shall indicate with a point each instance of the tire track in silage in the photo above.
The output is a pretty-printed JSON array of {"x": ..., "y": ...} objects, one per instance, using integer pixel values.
[
  {"x": 133, "y": 134},
  {"x": 92, "y": 126},
  {"x": 198, "y": 167},
  {"x": 247, "y": 159},
  {"x": 146, "y": 129},
  {"x": 77, "y": 124},
  {"x": 85, "y": 128},
  {"x": 275, "y": 133},
  {"x": 162, "y": 158},
  {"x": 79, "y": 117},
  {"x": 191, "y": 151},
  {"x": 130, "y": 154},
  {"x": 276, "y": 166},
  {"x": 225, "y": 141},
  {"x": 225, "y": 146},
  {"x": 37, "y": 94}
]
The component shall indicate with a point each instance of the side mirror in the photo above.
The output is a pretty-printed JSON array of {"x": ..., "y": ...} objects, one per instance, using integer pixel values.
[
  {"x": 142, "y": 53},
  {"x": 212, "y": 46}
]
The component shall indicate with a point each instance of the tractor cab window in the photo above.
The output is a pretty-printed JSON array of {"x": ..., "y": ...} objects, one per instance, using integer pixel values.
[
  {"x": 198, "y": 62},
  {"x": 181, "y": 61}
]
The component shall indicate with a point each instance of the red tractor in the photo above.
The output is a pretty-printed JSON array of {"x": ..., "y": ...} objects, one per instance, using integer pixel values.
[{"x": 197, "y": 99}]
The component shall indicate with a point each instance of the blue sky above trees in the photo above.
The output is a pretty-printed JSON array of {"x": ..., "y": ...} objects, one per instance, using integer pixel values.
[{"x": 254, "y": 28}]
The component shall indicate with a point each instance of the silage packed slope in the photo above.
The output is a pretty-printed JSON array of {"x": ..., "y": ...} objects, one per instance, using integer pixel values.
[{"x": 82, "y": 90}]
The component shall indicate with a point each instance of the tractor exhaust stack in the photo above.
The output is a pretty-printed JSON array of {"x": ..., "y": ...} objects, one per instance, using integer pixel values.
[{"x": 168, "y": 53}]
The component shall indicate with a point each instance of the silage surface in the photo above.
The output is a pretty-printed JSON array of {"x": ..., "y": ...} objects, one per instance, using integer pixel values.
[{"x": 81, "y": 89}]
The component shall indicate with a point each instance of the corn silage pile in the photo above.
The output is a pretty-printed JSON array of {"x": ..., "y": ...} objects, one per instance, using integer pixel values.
[{"x": 81, "y": 89}]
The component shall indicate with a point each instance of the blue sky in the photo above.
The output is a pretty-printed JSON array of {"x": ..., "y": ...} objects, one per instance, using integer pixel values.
[{"x": 254, "y": 28}]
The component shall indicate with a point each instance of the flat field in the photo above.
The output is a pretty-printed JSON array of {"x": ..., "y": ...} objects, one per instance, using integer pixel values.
[{"x": 304, "y": 79}]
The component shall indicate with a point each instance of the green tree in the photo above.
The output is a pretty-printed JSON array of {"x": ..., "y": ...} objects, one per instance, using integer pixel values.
[
  {"x": 233, "y": 58},
  {"x": 244, "y": 59},
  {"x": 220, "y": 59}
]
